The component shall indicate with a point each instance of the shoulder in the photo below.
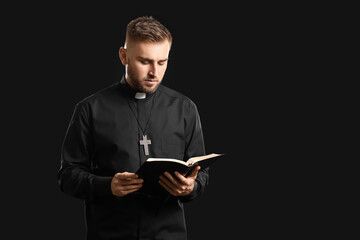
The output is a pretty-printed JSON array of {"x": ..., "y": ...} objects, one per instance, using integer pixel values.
[
  {"x": 101, "y": 95},
  {"x": 175, "y": 95},
  {"x": 179, "y": 101}
]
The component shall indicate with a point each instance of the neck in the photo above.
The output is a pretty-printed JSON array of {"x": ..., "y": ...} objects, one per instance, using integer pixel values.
[{"x": 128, "y": 82}]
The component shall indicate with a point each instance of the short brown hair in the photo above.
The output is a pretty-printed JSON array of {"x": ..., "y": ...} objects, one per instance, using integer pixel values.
[{"x": 147, "y": 29}]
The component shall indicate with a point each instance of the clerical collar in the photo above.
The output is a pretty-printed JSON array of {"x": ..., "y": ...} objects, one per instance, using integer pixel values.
[
  {"x": 133, "y": 93},
  {"x": 140, "y": 95}
]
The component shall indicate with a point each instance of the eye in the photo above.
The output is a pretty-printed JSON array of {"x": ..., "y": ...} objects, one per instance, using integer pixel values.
[
  {"x": 161, "y": 63},
  {"x": 144, "y": 62}
]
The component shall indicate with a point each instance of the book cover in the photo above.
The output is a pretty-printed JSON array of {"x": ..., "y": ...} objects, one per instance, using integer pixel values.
[{"x": 151, "y": 170}]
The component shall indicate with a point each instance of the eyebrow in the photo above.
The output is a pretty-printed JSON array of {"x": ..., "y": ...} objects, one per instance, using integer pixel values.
[{"x": 150, "y": 60}]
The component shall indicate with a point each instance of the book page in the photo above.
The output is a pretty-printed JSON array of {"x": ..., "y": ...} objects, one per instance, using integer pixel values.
[
  {"x": 166, "y": 160},
  {"x": 193, "y": 160}
]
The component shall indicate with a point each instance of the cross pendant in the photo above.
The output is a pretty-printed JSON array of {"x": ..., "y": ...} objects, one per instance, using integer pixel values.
[{"x": 145, "y": 142}]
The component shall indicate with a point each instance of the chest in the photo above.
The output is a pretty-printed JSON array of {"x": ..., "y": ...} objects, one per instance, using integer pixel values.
[{"x": 120, "y": 129}]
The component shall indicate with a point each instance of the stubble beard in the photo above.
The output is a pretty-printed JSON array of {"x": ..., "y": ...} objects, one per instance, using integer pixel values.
[{"x": 136, "y": 82}]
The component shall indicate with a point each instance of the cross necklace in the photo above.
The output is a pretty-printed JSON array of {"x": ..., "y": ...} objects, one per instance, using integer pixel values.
[{"x": 145, "y": 141}]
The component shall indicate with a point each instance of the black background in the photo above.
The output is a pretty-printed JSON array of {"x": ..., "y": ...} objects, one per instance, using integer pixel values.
[{"x": 234, "y": 62}]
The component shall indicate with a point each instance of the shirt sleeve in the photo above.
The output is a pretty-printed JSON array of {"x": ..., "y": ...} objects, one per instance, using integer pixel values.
[
  {"x": 74, "y": 176},
  {"x": 194, "y": 142}
]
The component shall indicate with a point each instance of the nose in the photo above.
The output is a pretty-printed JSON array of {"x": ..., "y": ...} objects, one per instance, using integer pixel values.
[{"x": 153, "y": 70}]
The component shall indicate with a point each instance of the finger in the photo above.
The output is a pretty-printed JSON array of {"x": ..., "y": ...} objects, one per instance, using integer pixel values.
[
  {"x": 171, "y": 191},
  {"x": 126, "y": 175},
  {"x": 130, "y": 181},
  {"x": 194, "y": 172},
  {"x": 129, "y": 187},
  {"x": 137, "y": 180},
  {"x": 172, "y": 179},
  {"x": 180, "y": 177},
  {"x": 168, "y": 183}
]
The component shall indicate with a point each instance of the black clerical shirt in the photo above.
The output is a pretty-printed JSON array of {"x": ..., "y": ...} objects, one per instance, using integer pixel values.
[{"x": 103, "y": 139}]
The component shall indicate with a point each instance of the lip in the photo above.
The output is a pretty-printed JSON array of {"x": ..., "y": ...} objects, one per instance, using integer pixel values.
[{"x": 152, "y": 81}]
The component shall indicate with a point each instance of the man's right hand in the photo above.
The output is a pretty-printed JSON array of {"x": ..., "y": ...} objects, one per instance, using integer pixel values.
[{"x": 125, "y": 183}]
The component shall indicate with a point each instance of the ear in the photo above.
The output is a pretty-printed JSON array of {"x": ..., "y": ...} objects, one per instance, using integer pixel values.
[{"x": 122, "y": 55}]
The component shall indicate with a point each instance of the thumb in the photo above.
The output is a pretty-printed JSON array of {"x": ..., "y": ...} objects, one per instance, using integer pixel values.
[{"x": 194, "y": 172}]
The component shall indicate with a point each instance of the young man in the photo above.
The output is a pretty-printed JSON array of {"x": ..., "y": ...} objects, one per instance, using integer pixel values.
[{"x": 115, "y": 130}]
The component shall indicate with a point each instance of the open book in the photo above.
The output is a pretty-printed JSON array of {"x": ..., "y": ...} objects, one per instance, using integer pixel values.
[{"x": 151, "y": 170}]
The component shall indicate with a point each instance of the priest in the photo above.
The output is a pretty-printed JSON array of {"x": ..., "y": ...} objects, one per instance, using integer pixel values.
[{"x": 114, "y": 131}]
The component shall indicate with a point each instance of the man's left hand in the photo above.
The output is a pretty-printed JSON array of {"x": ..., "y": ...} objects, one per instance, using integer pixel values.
[{"x": 179, "y": 185}]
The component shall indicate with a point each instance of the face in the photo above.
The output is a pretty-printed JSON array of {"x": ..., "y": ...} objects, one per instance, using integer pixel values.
[{"x": 145, "y": 64}]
